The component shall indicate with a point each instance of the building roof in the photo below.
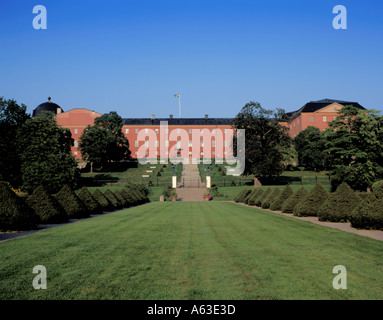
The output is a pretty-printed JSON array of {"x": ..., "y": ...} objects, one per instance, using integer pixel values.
[
  {"x": 178, "y": 122},
  {"x": 47, "y": 106},
  {"x": 314, "y": 106}
]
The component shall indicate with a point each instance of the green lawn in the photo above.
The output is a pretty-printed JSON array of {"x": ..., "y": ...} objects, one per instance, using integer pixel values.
[{"x": 201, "y": 250}]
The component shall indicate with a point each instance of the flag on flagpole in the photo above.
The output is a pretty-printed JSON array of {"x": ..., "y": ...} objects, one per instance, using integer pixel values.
[{"x": 176, "y": 96}]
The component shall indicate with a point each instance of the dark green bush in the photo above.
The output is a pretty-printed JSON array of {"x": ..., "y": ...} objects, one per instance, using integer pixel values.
[
  {"x": 339, "y": 204},
  {"x": 277, "y": 204},
  {"x": 289, "y": 205},
  {"x": 102, "y": 200},
  {"x": 46, "y": 207},
  {"x": 92, "y": 205},
  {"x": 262, "y": 197},
  {"x": 255, "y": 195},
  {"x": 15, "y": 214},
  {"x": 377, "y": 185},
  {"x": 309, "y": 206},
  {"x": 369, "y": 214},
  {"x": 270, "y": 198},
  {"x": 123, "y": 200},
  {"x": 239, "y": 195},
  {"x": 73, "y": 206},
  {"x": 113, "y": 199},
  {"x": 130, "y": 200},
  {"x": 243, "y": 196},
  {"x": 253, "y": 191}
]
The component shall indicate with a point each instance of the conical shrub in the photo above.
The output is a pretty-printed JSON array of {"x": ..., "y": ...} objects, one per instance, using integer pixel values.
[
  {"x": 240, "y": 195},
  {"x": 369, "y": 214},
  {"x": 309, "y": 206},
  {"x": 89, "y": 201},
  {"x": 270, "y": 198},
  {"x": 277, "y": 204},
  {"x": 113, "y": 199},
  {"x": 15, "y": 214},
  {"x": 46, "y": 207},
  {"x": 262, "y": 197},
  {"x": 339, "y": 205},
  {"x": 289, "y": 205},
  {"x": 248, "y": 197},
  {"x": 73, "y": 206},
  {"x": 102, "y": 200},
  {"x": 120, "y": 197},
  {"x": 256, "y": 194},
  {"x": 128, "y": 197}
]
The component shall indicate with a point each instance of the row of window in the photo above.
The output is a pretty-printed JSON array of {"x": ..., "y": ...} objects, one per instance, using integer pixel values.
[{"x": 178, "y": 131}]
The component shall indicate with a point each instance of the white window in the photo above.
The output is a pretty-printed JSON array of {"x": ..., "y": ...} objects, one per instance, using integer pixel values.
[
  {"x": 136, "y": 143},
  {"x": 190, "y": 131},
  {"x": 127, "y": 131},
  {"x": 201, "y": 131},
  {"x": 75, "y": 143},
  {"x": 311, "y": 119},
  {"x": 75, "y": 153},
  {"x": 136, "y": 153},
  {"x": 225, "y": 143},
  {"x": 178, "y": 131},
  {"x": 213, "y": 153},
  {"x": 156, "y": 143},
  {"x": 156, "y": 131},
  {"x": 201, "y": 143},
  {"x": 324, "y": 119},
  {"x": 224, "y": 131},
  {"x": 167, "y": 131},
  {"x": 75, "y": 131},
  {"x": 146, "y": 131},
  {"x": 136, "y": 131},
  {"x": 190, "y": 143},
  {"x": 213, "y": 131},
  {"x": 146, "y": 143},
  {"x": 213, "y": 143},
  {"x": 167, "y": 144}
]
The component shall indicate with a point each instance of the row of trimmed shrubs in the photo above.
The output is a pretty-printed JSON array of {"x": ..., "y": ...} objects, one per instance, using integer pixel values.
[
  {"x": 26, "y": 212},
  {"x": 363, "y": 211}
]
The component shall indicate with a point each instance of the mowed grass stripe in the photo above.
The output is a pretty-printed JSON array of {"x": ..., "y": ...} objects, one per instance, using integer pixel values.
[{"x": 202, "y": 250}]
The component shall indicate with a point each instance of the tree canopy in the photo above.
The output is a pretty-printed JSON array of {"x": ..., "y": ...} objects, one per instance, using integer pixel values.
[
  {"x": 12, "y": 117},
  {"x": 310, "y": 145},
  {"x": 265, "y": 138},
  {"x": 355, "y": 146},
  {"x": 45, "y": 152},
  {"x": 104, "y": 141}
]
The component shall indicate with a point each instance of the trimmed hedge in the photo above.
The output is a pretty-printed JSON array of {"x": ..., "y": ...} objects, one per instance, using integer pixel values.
[
  {"x": 369, "y": 214},
  {"x": 241, "y": 195},
  {"x": 262, "y": 197},
  {"x": 339, "y": 205},
  {"x": 289, "y": 205},
  {"x": 128, "y": 197},
  {"x": 113, "y": 199},
  {"x": 254, "y": 197},
  {"x": 270, "y": 198},
  {"x": 309, "y": 206},
  {"x": 46, "y": 207},
  {"x": 15, "y": 214},
  {"x": 102, "y": 200},
  {"x": 92, "y": 205},
  {"x": 72, "y": 205},
  {"x": 250, "y": 195},
  {"x": 280, "y": 200},
  {"x": 121, "y": 198}
]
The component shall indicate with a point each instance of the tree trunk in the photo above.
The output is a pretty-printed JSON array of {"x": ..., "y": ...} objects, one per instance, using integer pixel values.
[{"x": 257, "y": 183}]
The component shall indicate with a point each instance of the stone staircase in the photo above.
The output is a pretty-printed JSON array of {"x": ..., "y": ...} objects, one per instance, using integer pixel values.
[{"x": 190, "y": 187}]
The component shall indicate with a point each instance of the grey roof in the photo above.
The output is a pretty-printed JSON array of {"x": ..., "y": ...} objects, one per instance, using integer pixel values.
[{"x": 178, "y": 122}]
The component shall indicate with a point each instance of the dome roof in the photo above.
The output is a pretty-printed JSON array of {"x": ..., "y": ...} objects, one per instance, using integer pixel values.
[{"x": 47, "y": 106}]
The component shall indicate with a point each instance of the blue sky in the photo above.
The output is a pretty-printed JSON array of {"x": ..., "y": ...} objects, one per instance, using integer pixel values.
[{"x": 133, "y": 56}]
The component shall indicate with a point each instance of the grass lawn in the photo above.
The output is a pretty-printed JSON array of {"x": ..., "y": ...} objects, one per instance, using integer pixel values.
[{"x": 201, "y": 250}]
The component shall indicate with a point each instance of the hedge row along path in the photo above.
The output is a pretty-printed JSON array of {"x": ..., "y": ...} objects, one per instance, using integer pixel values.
[{"x": 374, "y": 234}]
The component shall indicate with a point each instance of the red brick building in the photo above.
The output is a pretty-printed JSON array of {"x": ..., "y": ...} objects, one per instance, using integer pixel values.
[{"x": 144, "y": 134}]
